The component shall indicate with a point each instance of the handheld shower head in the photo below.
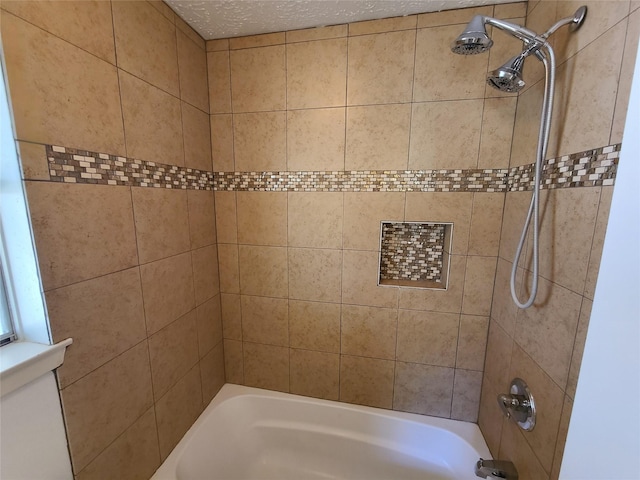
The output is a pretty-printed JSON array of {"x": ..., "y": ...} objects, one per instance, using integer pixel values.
[
  {"x": 474, "y": 39},
  {"x": 508, "y": 78}
]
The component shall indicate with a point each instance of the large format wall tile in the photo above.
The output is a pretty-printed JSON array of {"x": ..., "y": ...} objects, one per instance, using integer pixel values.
[
  {"x": 231, "y": 316},
  {"x": 262, "y": 218},
  {"x": 602, "y": 17},
  {"x": 76, "y": 106},
  {"x": 472, "y": 342},
  {"x": 486, "y": 222},
  {"x": 314, "y": 326},
  {"x": 229, "y": 268},
  {"x": 258, "y": 79},
  {"x": 452, "y": 127},
  {"x": 265, "y": 320},
  {"x": 316, "y": 139},
  {"x": 173, "y": 352},
  {"x": 317, "y": 74},
  {"x": 368, "y": 331},
  {"x": 366, "y": 381},
  {"x": 315, "y": 219},
  {"x": 591, "y": 74},
  {"x": 428, "y": 337},
  {"x": 222, "y": 152},
  {"x": 92, "y": 25},
  {"x": 152, "y": 122},
  {"x": 466, "y": 395},
  {"x": 547, "y": 330},
  {"x": 212, "y": 373},
  {"x": 266, "y": 366},
  {"x": 263, "y": 271},
  {"x": 206, "y": 281},
  {"x": 226, "y": 217},
  {"x": 192, "y": 68},
  {"x": 498, "y": 117},
  {"x": 315, "y": 374},
  {"x": 478, "y": 285},
  {"x": 259, "y": 141},
  {"x": 315, "y": 274},
  {"x": 101, "y": 328},
  {"x": 381, "y": 68},
  {"x": 167, "y": 287},
  {"x": 162, "y": 227},
  {"x": 146, "y": 44},
  {"x": 196, "y": 131},
  {"x": 209, "y": 325},
  {"x": 178, "y": 409},
  {"x": 202, "y": 220},
  {"x": 33, "y": 158},
  {"x": 626, "y": 76},
  {"x": 102, "y": 405},
  {"x": 360, "y": 281},
  {"x": 378, "y": 137},
  {"x": 423, "y": 389},
  {"x": 568, "y": 217},
  {"x": 70, "y": 242},
  {"x": 134, "y": 454},
  {"x": 219, "y": 82}
]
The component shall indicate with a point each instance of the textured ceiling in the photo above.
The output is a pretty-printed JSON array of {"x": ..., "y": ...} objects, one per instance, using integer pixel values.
[{"x": 234, "y": 18}]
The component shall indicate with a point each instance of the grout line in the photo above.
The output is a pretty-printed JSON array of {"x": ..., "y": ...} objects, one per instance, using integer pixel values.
[
  {"x": 615, "y": 101},
  {"x": 115, "y": 56}
]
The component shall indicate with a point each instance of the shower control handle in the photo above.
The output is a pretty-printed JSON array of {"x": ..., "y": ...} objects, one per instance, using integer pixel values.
[{"x": 518, "y": 405}]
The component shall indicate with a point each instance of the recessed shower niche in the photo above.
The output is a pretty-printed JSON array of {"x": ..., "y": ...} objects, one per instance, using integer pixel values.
[{"x": 415, "y": 254}]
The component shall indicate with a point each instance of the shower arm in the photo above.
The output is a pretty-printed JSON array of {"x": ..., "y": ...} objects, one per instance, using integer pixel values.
[
  {"x": 532, "y": 40},
  {"x": 522, "y": 33}
]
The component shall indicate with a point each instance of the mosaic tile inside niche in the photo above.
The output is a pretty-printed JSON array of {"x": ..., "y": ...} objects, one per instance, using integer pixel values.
[
  {"x": 583, "y": 169},
  {"x": 412, "y": 252}
]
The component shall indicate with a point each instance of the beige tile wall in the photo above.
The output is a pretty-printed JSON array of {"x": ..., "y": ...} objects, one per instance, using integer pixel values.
[
  {"x": 298, "y": 271},
  {"x": 544, "y": 344},
  {"x": 129, "y": 273}
]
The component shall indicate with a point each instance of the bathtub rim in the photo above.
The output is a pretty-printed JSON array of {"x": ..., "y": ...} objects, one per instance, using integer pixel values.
[{"x": 467, "y": 432}]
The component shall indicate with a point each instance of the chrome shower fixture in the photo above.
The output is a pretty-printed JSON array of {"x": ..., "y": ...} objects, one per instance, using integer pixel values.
[
  {"x": 474, "y": 39},
  {"x": 508, "y": 78}
]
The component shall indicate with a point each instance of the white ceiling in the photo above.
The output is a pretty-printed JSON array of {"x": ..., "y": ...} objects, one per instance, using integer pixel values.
[{"x": 234, "y": 18}]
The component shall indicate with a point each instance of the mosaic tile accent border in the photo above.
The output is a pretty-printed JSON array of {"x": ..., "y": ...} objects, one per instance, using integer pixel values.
[
  {"x": 71, "y": 165},
  {"x": 583, "y": 169},
  {"x": 412, "y": 251}
]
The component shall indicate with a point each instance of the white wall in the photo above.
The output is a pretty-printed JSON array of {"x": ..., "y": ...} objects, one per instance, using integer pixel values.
[
  {"x": 604, "y": 433},
  {"x": 33, "y": 444}
]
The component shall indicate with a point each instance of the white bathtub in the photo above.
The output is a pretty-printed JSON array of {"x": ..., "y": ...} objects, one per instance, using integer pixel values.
[{"x": 248, "y": 433}]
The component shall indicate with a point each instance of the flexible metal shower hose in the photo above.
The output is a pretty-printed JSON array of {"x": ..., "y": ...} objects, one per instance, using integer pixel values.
[{"x": 549, "y": 62}]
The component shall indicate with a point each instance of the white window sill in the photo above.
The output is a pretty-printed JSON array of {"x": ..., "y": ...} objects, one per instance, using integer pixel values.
[{"x": 23, "y": 362}]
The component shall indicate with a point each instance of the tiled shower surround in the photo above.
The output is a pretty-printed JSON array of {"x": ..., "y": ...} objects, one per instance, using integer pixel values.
[{"x": 308, "y": 140}]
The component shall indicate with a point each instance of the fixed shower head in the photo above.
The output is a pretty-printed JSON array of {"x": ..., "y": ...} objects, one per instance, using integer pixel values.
[
  {"x": 474, "y": 39},
  {"x": 508, "y": 78}
]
